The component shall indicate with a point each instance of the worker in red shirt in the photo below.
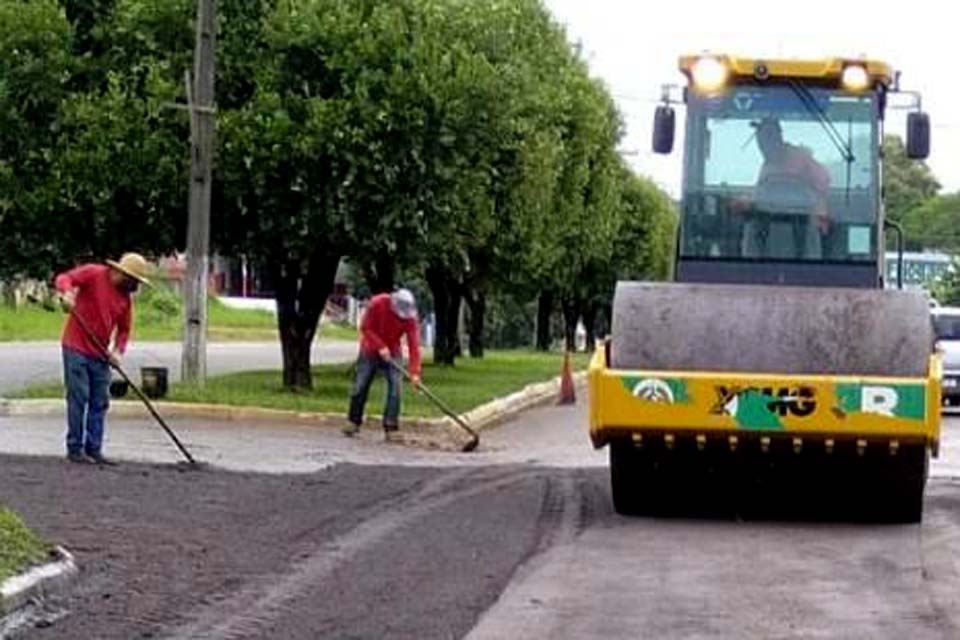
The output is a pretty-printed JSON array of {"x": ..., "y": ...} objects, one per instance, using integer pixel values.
[
  {"x": 101, "y": 296},
  {"x": 792, "y": 167},
  {"x": 786, "y": 161},
  {"x": 389, "y": 317}
]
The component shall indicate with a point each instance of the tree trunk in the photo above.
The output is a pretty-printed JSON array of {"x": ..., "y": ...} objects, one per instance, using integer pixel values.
[
  {"x": 571, "y": 313},
  {"x": 296, "y": 359},
  {"x": 456, "y": 317},
  {"x": 477, "y": 302},
  {"x": 301, "y": 296},
  {"x": 607, "y": 319},
  {"x": 590, "y": 325},
  {"x": 446, "y": 307},
  {"x": 381, "y": 274},
  {"x": 8, "y": 294},
  {"x": 544, "y": 312}
]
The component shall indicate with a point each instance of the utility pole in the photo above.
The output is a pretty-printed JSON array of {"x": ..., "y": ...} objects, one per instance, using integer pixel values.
[{"x": 200, "y": 102}]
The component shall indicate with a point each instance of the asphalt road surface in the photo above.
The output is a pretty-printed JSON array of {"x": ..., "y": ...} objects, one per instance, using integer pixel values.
[{"x": 362, "y": 539}]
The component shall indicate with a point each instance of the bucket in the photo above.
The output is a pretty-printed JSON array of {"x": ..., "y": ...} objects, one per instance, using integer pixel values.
[
  {"x": 118, "y": 388},
  {"x": 154, "y": 381}
]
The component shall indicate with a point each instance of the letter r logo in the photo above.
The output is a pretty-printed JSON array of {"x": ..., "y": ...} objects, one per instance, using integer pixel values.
[{"x": 882, "y": 400}]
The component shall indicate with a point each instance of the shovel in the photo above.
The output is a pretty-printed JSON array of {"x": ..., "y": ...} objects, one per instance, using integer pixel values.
[{"x": 474, "y": 437}]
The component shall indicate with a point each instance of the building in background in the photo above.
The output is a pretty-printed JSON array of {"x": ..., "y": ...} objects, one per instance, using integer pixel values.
[{"x": 243, "y": 284}]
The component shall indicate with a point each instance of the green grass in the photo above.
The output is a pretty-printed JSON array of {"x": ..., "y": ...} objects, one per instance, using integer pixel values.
[
  {"x": 338, "y": 332},
  {"x": 468, "y": 384},
  {"x": 31, "y": 323},
  {"x": 20, "y": 548},
  {"x": 38, "y": 391}
]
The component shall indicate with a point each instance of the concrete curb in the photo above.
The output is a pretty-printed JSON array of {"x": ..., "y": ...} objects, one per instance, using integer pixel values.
[
  {"x": 432, "y": 432},
  {"x": 443, "y": 433},
  {"x": 39, "y": 582},
  {"x": 499, "y": 410}
]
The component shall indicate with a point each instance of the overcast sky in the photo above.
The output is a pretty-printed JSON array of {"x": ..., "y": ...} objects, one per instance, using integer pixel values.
[{"x": 634, "y": 48}]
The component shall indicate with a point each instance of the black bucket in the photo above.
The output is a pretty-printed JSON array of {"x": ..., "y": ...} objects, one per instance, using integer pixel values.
[
  {"x": 154, "y": 381},
  {"x": 118, "y": 388}
]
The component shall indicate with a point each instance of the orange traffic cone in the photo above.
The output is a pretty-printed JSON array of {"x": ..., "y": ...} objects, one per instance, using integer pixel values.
[{"x": 567, "y": 393}]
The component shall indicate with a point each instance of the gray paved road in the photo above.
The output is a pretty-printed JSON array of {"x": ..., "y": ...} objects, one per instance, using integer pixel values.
[
  {"x": 516, "y": 541},
  {"x": 26, "y": 363},
  {"x": 629, "y": 578}
]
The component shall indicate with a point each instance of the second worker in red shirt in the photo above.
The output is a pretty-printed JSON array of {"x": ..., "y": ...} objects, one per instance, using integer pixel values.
[{"x": 388, "y": 318}]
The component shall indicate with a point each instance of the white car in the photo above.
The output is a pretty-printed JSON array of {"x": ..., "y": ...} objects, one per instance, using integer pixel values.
[{"x": 946, "y": 329}]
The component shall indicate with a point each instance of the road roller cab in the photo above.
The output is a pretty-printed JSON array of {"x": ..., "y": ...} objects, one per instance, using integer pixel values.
[{"x": 777, "y": 345}]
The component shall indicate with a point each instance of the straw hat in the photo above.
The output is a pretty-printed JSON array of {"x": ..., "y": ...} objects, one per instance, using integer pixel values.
[{"x": 133, "y": 265}]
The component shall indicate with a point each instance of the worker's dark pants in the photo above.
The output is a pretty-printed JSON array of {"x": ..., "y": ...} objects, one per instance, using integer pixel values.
[
  {"x": 87, "y": 380},
  {"x": 367, "y": 368}
]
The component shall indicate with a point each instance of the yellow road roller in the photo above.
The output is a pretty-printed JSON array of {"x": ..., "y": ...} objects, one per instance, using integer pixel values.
[{"x": 778, "y": 363}]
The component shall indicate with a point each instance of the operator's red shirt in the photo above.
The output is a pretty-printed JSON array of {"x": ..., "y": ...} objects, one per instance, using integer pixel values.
[
  {"x": 381, "y": 327},
  {"x": 797, "y": 162},
  {"x": 103, "y": 307}
]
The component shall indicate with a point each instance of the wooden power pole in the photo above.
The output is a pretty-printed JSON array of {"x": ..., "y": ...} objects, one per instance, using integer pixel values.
[{"x": 200, "y": 98}]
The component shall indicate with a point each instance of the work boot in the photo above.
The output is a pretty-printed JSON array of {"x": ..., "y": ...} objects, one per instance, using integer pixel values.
[
  {"x": 351, "y": 429},
  {"x": 77, "y": 458},
  {"x": 391, "y": 433},
  {"x": 97, "y": 458}
]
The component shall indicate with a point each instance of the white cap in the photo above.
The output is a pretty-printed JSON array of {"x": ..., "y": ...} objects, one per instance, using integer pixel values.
[{"x": 403, "y": 304}]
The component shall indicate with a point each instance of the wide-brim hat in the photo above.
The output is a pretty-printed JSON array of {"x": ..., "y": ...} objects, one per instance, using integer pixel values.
[{"x": 133, "y": 265}]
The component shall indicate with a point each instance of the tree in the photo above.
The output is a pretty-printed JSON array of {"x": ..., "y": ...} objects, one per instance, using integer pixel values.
[
  {"x": 480, "y": 160},
  {"x": 906, "y": 183},
  {"x": 589, "y": 210},
  {"x": 320, "y": 162},
  {"x": 463, "y": 140},
  {"x": 116, "y": 181},
  {"x": 528, "y": 196},
  {"x": 276, "y": 203},
  {"x": 388, "y": 60},
  {"x": 35, "y": 49},
  {"x": 946, "y": 290},
  {"x": 642, "y": 249},
  {"x": 85, "y": 16},
  {"x": 934, "y": 224},
  {"x": 89, "y": 168}
]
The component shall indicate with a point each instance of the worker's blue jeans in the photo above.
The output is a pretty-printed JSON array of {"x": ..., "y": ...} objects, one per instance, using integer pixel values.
[
  {"x": 88, "y": 381},
  {"x": 367, "y": 367}
]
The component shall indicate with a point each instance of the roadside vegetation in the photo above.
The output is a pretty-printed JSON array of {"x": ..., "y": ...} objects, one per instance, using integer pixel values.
[
  {"x": 158, "y": 316},
  {"x": 20, "y": 548},
  {"x": 471, "y": 383}
]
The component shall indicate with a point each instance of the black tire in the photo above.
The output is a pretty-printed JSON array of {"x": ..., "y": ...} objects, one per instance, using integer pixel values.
[
  {"x": 906, "y": 483},
  {"x": 629, "y": 479}
]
